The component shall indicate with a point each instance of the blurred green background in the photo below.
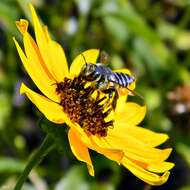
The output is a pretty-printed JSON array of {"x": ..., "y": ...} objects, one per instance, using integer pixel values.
[{"x": 150, "y": 37}]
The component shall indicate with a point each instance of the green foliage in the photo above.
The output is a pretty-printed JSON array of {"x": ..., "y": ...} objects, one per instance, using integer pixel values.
[
  {"x": 10, "y": 165},
  {"x": 184, "y": 150},
  {"x": 74, "y": 179}
]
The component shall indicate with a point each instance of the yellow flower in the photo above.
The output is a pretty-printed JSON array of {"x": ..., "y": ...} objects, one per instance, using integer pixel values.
[{"x": 65, "y": 99}]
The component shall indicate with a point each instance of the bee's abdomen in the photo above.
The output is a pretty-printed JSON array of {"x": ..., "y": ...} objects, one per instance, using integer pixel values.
[{"x": 123, "y": 79}]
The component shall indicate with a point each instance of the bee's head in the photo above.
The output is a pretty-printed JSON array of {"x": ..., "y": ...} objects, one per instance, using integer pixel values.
[{"x": 87, "y": 71}]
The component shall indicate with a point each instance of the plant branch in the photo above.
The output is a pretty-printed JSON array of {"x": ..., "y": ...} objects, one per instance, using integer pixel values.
[{"x": 36, "y": 157}]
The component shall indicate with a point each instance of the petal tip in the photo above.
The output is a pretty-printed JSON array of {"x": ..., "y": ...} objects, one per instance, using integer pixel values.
[
  {"x": 169, "y": 150},
  {"x": 31, "y": 7},
  {"x": 34, "y": 14},
  {"x": 170, "y": 165},
  {"x": 22, "y": 26},
  {"x": 22, "y": 88},
  {"x": 163, "y": 178},
  {"x": 91, "y": 170},
  {"x": 165, "y": 137}
]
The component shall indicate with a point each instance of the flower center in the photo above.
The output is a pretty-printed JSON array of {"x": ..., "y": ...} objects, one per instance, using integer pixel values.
[{"x": 82, "y": 108}]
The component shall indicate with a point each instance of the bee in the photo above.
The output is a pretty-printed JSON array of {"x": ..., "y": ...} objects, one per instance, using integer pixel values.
[{"x": 104, "y": 79}]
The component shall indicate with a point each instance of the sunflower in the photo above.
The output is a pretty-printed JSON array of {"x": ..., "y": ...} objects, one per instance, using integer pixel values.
[{"x": 92, "y": 124}]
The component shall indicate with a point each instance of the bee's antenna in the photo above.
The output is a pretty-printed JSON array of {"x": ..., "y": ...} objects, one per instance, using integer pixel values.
[
  {"x": 136, "y": 93},
  {"x": 84, "y": 59}
]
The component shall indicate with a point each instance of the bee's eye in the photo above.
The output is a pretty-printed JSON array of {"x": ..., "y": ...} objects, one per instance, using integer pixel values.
[{"x": 90, "y": 68}]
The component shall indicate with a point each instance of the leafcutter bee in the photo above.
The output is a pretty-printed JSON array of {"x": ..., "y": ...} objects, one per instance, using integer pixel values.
[{"x": 104, "y": 79}]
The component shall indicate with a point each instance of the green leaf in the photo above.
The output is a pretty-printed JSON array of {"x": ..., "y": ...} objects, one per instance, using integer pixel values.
[
  {"x": 178, "y": 36},
  {"x": 74, "y": 179},
  {"x": 102, "y": 186},
  {"x": 184, "y": 150},
  {"x": 116, "y": 27},
  {"x": 5, "y": 105},
  {"x": 187, "y": 187},
  {"x": 136, "y": 25},
  {"x": 147, "y": 55},
  {"x": 8, "y": 17},
  {"x": 10, "y": 165}
]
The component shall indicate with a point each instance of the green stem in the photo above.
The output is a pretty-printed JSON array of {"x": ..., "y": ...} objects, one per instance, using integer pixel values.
[{"x": 35, "y": 158}]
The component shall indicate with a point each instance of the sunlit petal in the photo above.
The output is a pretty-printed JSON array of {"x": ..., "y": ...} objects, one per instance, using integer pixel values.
[
  {"x": 133, "y": 147},
  {"x": 108, "y": 151},
  {"x": 146, "y": 136},
  {"x": 90, "y": 56},
  {"x": 148, "y": 177},
  {"x": 51, "y": 110},
  {"x": 160, "y": 167},
  {"x": 58, "y": 60},
  {"x": 51, "y": 52},
  {"x": 38, "y": 74},
  {"x": 22, "y": 26},
  {"x": 80, "y": 150},
  {"x": 132, "y": 113}
]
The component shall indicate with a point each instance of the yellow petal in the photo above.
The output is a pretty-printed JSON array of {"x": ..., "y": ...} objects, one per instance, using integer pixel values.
[
  {"x": 22, "y": 25},
  {"x": 120, "y": 102},
  {"x": 46, "y": 32},
  {"x": 35, "y": 69},
  {"x": 112, "y": 153},
  {"x": 35, "y": 58},
  {"x": 160, "y": 167},
  {"x": 129, "y": 113},
  {"x": 58, "y": 57},
  {"x": 90, "y": 55},
  {"x": 133, "y": 148},
  {"x": 51, "y": 110},
  {"x": 148, "y": 156},
  {"x": 51, "y": 52},
  {"x": 59, "y": 60},
  {"x": 80, "y": 150},
  {"x": 146, "y": 136},
  {"x": 146, "y": 176}
]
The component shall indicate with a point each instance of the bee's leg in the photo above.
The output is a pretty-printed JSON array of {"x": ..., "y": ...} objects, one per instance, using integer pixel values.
[
  {"x": 98, "y": 95},
  {"x": 110, "y": 92},
  {"x": 88, "y": 91},
  {"x": 114, "y": 101},
  {"x": 102, "y": 85}
]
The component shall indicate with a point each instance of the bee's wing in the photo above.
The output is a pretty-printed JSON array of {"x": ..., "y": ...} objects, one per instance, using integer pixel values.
[{"x": 104, "y": 57}]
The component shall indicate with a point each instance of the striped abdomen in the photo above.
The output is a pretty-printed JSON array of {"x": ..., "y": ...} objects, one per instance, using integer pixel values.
[{"x": 123, "y": 79}]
